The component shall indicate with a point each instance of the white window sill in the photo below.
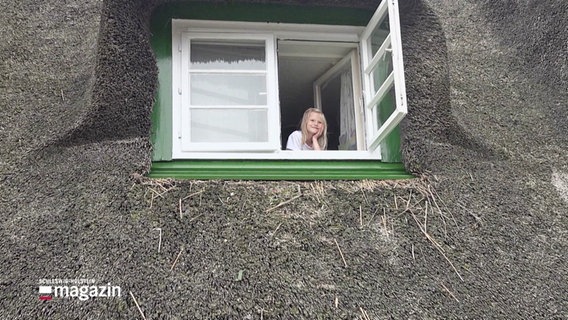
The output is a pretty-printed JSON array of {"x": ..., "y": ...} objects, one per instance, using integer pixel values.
[{"x": 283, "y": 155}]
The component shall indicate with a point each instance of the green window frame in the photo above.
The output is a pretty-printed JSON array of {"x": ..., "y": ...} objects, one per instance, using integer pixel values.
[{"x": 162, "y": 163}]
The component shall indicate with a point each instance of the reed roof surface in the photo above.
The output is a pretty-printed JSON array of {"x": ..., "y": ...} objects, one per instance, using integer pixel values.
[{"x": 481, "y": 233}]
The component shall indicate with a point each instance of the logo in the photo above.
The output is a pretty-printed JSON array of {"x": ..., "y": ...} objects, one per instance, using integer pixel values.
[
  {"x": 45, "y": 293},
  {"x": 82, "y": 289}
]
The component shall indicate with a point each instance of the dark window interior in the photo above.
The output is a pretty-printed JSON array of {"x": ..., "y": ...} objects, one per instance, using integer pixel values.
[{"x": 298, "y": 67}]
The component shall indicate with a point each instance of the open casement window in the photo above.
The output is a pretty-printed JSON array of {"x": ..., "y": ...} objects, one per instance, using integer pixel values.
[
  {"x": 230, "y": 92},
  {"x": 383, "y": 73},
  {"x": 226, "y": 102}
]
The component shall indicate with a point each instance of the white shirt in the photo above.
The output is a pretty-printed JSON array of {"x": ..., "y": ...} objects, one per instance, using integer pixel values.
[{"x": 295, "y": 142}]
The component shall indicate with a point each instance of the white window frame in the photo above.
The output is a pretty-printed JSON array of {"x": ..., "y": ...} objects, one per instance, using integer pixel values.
[
  {"x": 376, "y": 133},
  {"x": 273, "y": 142},
  {"x": 284, "y": 31}
]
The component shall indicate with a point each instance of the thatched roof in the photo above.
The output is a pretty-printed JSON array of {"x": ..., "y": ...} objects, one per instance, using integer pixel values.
[{"x": 481, "y": 234}]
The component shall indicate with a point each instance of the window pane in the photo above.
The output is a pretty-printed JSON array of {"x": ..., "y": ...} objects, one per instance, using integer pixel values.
[
  {"x": 228, "y": 55},
  {"x": 228, "y": 89},
  {"x": 379, "y": 35},
  {"x": 386, "y": 106},
  {"x": 382, "y": 70},
  {"x": 229, "y": 125}
]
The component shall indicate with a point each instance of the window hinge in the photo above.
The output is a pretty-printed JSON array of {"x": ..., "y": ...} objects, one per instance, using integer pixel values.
[
  {"x": 179, "y": 90},
  {"x": 179, "y": 47}
]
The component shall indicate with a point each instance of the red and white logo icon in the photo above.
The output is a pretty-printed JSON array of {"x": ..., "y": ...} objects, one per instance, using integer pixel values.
[{"x": 45, "y": 293}]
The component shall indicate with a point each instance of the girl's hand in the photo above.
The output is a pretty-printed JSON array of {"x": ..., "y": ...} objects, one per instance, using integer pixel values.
[
  {"x": 315, "y": 143},
  {"x": 318, "y": 134}
]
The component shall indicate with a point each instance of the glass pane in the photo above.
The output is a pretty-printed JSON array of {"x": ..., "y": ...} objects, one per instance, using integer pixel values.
[
  {"x": 390, "y": 145},
  {"x": 379, "y": 35},
  {"x": 228, "y": 89},
  {"x": 386, "y": 106},
  {"x": 382, "y": 70},
  {"x": 228, "y": 55},
  {"x": 229, "y": 125}
]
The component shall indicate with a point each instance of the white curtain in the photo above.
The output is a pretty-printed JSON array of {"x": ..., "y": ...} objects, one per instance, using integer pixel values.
[{"x": 348, "y": 133}]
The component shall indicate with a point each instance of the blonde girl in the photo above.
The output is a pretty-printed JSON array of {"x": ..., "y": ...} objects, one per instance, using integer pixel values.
[{"x": 312, "y": 134}]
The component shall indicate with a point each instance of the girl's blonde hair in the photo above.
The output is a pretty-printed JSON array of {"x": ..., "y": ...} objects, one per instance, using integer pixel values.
[{"x": 322, "y": 140}]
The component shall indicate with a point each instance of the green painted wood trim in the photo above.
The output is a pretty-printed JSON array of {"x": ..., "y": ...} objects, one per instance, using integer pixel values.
[
  {"x": 257, "y": 12},
  {"x": 161, "y": 132},
  {"x": 279, "y": 170}
]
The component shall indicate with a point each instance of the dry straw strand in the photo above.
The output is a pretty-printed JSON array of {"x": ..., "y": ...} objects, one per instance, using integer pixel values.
[
  {"x": 176, "y": 260},
  {"x": 437, "y": 246},
  {"x": 193, "y": 194},
  {"x": 137, "y": 305},
  {"x": 274, "y": 232},
  {"x": 283, "y": 203},
  {"x": 451, "y": 294},
  {"x": 160, "y": 239},
  {"x": 364, "y": 314},
  {"x": 196, "y": 217},
  {"x": 340, "y": 253}
]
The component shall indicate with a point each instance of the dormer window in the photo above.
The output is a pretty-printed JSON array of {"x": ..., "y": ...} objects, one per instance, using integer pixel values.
[{"x": 238, "y": 89}]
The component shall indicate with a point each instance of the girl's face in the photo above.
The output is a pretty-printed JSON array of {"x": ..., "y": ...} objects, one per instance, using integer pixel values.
[{"x": 315, "y": 123}]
